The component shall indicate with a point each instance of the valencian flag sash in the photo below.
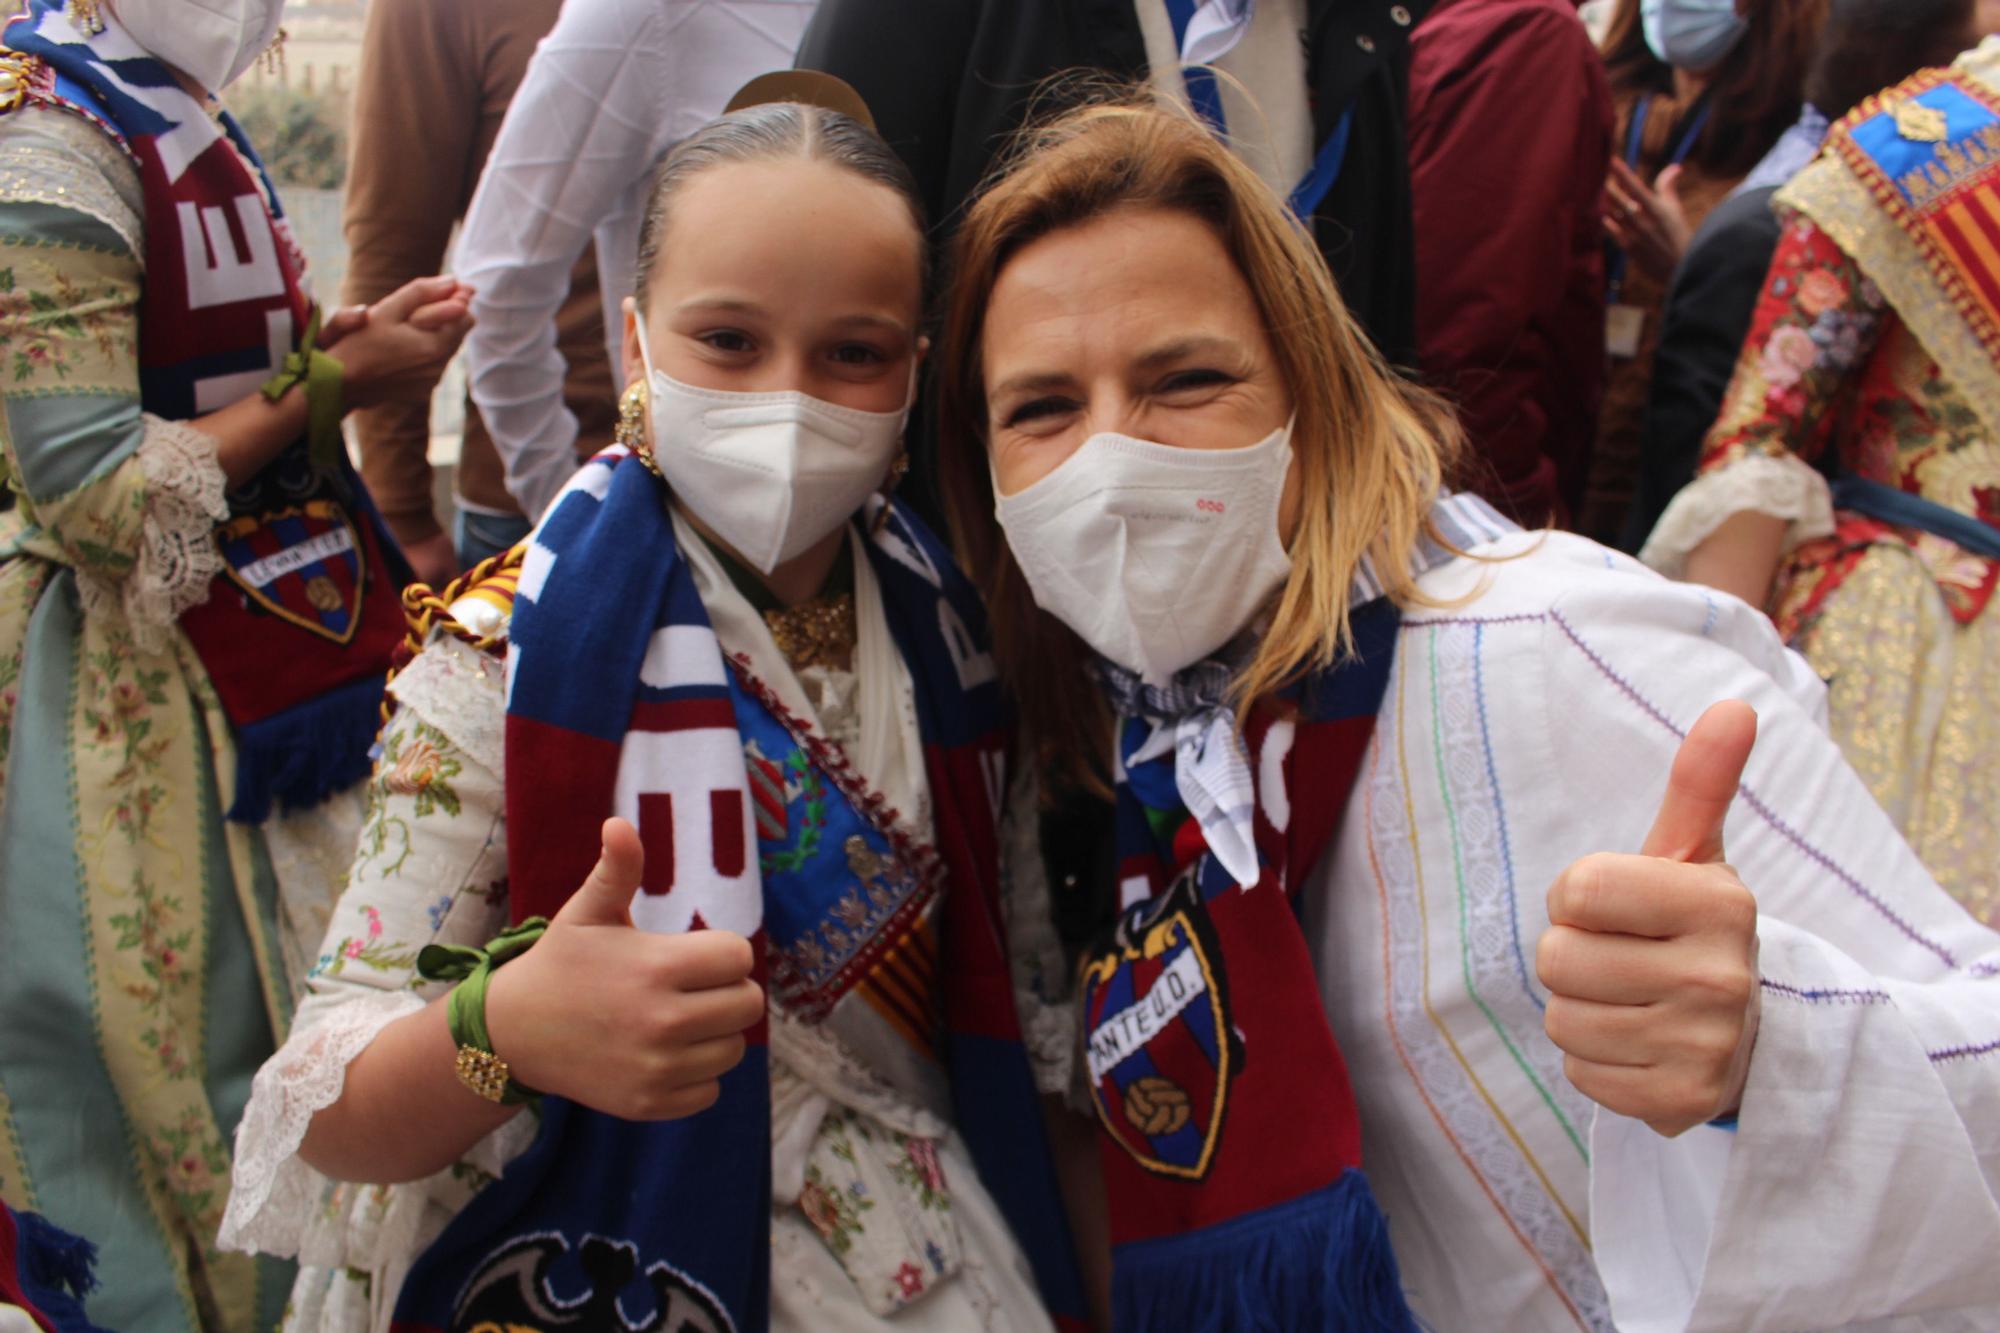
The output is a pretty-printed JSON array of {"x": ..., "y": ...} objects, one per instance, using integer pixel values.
[
  {"x": 1230, "y": 1143},
  {"x": 622, "y": 702},
  {"x": 1909, "y": 187},
  {"x": 298, "y": 629}
]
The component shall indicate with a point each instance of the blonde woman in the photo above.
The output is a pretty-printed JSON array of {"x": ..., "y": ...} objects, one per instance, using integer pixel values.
[{"x": 1360, "y": 731}]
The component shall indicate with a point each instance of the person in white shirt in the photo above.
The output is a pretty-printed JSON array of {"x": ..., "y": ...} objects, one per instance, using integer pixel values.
[
  {"x": 1738, "y": 1067},
  {"x": 612, "y": 88}
]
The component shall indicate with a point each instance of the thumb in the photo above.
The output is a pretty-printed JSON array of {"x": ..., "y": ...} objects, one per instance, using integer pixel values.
[
  {"x": 605, "y": 898},
  {"x": 1668, "y": 186},
  {"x": 1702, "y": 785}
]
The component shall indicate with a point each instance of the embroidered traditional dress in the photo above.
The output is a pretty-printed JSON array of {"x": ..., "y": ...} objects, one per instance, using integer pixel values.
[
  {"x": 878, "y": 1215},
  {"x": 1871, "y": 358},
  {"x": 147, "y": 945}
]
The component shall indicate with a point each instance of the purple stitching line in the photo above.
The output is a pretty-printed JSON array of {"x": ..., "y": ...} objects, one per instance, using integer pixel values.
[
  {"x": 1817, "y": 995},
  {"x": 1756, "y": 803},
  {"x": 1525, "y": 618},
  {"x": 1963, "y": 1052}
]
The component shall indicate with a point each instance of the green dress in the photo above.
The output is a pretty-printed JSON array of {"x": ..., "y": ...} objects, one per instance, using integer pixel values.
[{"x": 146, "y": 944}]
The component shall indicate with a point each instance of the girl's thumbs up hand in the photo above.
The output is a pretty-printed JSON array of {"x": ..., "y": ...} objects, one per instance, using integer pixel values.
[{"x": 638, "y": 1025}]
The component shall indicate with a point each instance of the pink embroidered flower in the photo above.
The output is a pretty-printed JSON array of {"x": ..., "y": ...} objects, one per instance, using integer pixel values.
[
  {"x": 374, "y": 922},
  {"x": 1788, "y": 403},
  {"x": 353, "y": 949},
  {"x": 416, "y": 768},
  {"x": 910, "y": 1279},
  {"x": 924, "y": 1157},
  {"x": 1787, "y": 356},
  {"x": 1821, "y": 291},
  {"x": 819, "y": 1209},
  {"x": 126, "y": 700}
]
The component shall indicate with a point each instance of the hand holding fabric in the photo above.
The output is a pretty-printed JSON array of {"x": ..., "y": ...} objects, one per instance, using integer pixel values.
[
  {"x": 1651, "y": 960},
  {"x": 628, "y": 1022}
]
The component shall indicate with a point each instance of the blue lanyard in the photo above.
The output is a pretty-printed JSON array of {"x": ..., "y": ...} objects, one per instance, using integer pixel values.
[
  {"x": 1635, "y": 140},
  {"x": 1206, "y": 99}
]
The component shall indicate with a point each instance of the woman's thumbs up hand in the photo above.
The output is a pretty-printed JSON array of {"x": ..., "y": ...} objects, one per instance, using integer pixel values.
[
  {"x": 1651, "y": 960},
  {"x": 636, "y": 1024}
]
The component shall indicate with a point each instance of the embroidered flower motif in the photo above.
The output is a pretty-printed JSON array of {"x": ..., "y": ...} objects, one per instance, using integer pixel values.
[
  {"x": 1838, "y": 337},
  {"x": 910, "y": 1278},
  {"x": 374, "y": 922},
  {"x": 1821, "y": 291},
  {"x": 415, "y": 769},
  {"x": 818, "y": 1207},
  {"x": 1788, "y": 355},
  {"x": 924, "y": 1157},
  {"x": 437, "y": 912},
  {"x": 354, "y": 948},
  {"x": 935, "y": 1254}
]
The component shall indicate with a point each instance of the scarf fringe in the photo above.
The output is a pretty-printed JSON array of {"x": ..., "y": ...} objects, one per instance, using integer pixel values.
[
  {"x": 1318, "y": 1262},
  {"x": 57, "y": 1271},
  {"x": 308, "y": 752}
]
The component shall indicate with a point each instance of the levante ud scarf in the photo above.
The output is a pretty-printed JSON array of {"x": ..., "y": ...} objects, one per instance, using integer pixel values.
[
  {"x": 621, "y": 701},
  {"x": 1230, "y": 1143},
  {"x": 298, "y": 630}
]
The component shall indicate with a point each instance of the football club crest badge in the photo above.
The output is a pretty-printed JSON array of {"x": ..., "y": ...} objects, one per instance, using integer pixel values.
[
  {"x": 1161, "y": 1048},
  {"x": 302, "y": 563}
]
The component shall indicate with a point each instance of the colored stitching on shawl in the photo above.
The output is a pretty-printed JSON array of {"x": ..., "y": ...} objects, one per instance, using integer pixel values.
[
  {"x": 1824, "y": 994},
  {"x": 1951, "y": 1053},
  {"x": 1465, "y": 915},
  {"x": 1500, "y": 809},
  {"x": 1409, "y": 1064},
  {"x": 1500, "y": 1116},
  {"x": 1524, "y": 618},
  {"x": 1756, "y": 803}
]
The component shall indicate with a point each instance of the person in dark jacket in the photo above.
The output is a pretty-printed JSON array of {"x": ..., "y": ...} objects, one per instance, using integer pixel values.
[
  {"x": 1510, "y": 245},
  {"x": 1867, "y": 45}
]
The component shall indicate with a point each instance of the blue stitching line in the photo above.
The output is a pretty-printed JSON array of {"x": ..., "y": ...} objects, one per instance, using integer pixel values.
[
  {"x": 1500, "y": 810},
  {"x": 1963, "y": 1052},
  {"x": 1756, "y": 803},
  {"x": 1820, "y": 995}
]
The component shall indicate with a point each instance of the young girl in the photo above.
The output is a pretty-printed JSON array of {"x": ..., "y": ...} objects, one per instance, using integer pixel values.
[{"x": 771, "y": 1037}]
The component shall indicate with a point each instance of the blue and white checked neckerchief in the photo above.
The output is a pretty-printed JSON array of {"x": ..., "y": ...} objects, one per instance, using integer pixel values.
[{"x": 1194, "y": 717}]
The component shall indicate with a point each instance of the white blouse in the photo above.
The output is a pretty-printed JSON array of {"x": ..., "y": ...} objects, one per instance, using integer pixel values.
[{"x": 1531, "y": 718}]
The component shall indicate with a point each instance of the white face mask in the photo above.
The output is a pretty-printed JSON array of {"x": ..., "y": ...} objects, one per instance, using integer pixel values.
[
  {"x": 1694, "y": 35},
  {"x": 212, "y": 41},
  {"x": 1155, "y": 556},
  {"x": 771, "y": 474}
]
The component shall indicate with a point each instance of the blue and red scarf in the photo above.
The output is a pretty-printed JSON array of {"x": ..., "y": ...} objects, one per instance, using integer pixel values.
[
  {"x": 621, "y": 701},
  {"x": 1230, "y": 1143},
  {"x": 298, "y": 629}
]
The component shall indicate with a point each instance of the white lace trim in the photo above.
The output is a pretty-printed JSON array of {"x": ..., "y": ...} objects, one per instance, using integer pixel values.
[
  {"x": 1781, "y": 485},
  {"x": 273, "y": 1192},
  {"x": 462, "y": 692},
  {"x": 813, "y": 1055},
  {"x": 178, "y": 557}
]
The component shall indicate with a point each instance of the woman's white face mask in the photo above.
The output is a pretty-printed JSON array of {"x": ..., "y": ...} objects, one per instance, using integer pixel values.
[
  {"x": 1156, "y": 556},
  {"x": 1694, "y": 35},
  {"x": 771, "y": 474},
  {"x": 211, "y": 41}
]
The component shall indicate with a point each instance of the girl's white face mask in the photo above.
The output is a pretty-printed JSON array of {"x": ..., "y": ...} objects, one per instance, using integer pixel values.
[
  {"x": 771, "y": 474},
  {"x": 211, "y": 41},
  {"x": 1155, "y": 556}
]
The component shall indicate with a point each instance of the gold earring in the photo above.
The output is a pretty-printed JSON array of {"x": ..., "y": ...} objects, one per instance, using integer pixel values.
[
  {"x": 897, "y": 471},
  {"x": 84, "y": 16},
  {"x": 631, "y": 428},
  {"x": 273, "y": 59}
]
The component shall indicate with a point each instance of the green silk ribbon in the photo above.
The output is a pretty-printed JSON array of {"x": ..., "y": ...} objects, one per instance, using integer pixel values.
[
  {"x": 321, "y": 375},
  {"x": 472, "y": 969}
]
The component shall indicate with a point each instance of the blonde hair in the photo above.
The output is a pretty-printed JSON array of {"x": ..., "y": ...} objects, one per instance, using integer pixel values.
[{"x": 1373, "y": 450}]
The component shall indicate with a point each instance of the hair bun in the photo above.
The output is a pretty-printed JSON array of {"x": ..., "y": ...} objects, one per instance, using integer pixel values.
[{"x": 807, "y": 87}]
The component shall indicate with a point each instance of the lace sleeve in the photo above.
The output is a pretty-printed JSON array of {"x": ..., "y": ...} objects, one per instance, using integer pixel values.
[
  {"x": 1042, "y": 990},
  {"x": 431, "y": 867},
  {"x": 49, "y": 156},
  {"x": 1781, "y": 485},
  {"x": 177, "y": 558}
]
